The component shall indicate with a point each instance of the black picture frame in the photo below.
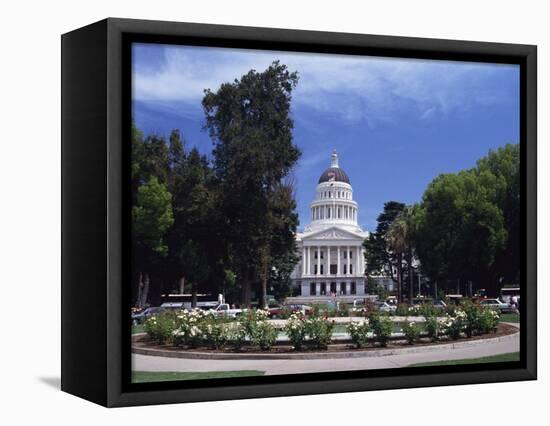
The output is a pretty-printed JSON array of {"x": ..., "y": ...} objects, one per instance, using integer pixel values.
[{"x": 95, "y": 227}]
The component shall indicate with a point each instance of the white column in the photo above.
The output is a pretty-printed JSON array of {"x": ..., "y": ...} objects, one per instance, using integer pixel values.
[
  {"x": 307, "y": 260},
  {"x": 338, "y": 262},
  {"x": 357, "y": 261},
  {"x": 362, "y": 261},
  {"x": 348, "y": 260},
  {"x": 303, "y": 260},
  {"x": 328, "y": 260},
  {"x": 318, "y": 260}
]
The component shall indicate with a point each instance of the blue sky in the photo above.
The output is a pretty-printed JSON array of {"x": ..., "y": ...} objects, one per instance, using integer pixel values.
[{"x": 395, "y": 123}]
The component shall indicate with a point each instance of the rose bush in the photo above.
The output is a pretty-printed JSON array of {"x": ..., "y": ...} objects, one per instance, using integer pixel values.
[
  {"x": 411, "y": 330},
  {"x": 359, "y": 332},
  {"x": 296, "y": 330}
]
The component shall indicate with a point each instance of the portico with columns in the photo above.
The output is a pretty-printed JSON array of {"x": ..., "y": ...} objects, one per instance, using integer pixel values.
[{"x": 331, "y": 246}]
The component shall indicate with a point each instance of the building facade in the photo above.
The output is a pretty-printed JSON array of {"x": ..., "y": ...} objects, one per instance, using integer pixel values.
[{"x": 331, "y": 246}]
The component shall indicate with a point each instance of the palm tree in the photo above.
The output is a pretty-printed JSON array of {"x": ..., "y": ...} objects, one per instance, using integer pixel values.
[{"x": 399, "y": 239}]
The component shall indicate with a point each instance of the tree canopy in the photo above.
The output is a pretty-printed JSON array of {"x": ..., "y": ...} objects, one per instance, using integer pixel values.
[{"x": 224, "y": 224}]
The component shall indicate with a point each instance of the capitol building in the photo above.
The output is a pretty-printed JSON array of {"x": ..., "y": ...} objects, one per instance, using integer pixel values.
[{"x": 331, "y": 246}]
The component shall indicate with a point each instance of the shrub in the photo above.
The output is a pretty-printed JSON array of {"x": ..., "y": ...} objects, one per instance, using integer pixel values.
[
  {"x": 187, "y": 330},
  {"x": 450, "y": 309},
  {"x": 319, "y": 331},
  {"x": 251, "y": 318},
  {"x": 296, "y": 330},
  {"x": 264, "y": 335},
  {"x": 214, "y": 331},
  {"x": 453, "y": 325},
  {"x": 412, "y": 331},
  {"x": 488, "y": 320},
  {"x": 427, "y": 310},
  {"x": 402, "y": 310},
  {"x": 358, "y": 332},
  {"x": 431, "y": 326},
  {"x": 382, "y": 327},
  {"x": 161, "y": 327},
  {"x": 369, "y": 306},
  {"x": 236, "y": 335},
  {"x": 472, "y": 319},
  {"x": 343, "y": 310}
]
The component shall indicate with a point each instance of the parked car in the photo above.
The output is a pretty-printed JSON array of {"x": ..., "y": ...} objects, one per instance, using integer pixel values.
[
  {"x": 225, "y": 309},
  {"x": 384, "y": 307},
  {"x": 141, "y": 317},
  {"x": 439, "y": 304},
  {"x": 277, "y": 311},
  {"x": 498, "y": 304},
  {"x": 304, "y": 309}
]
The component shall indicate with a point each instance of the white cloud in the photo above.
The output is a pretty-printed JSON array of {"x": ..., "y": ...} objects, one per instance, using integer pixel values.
[{"x": 354, "y": 88}]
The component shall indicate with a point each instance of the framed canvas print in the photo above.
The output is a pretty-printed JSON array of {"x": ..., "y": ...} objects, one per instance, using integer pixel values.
[{"x": 253, "y": 212}]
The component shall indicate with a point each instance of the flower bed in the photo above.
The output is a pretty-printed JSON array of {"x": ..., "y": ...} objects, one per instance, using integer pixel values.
[{"x": 199, "y": 329}]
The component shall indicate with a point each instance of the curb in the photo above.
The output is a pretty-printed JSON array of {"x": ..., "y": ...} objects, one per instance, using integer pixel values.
[{"x": 367, "y": 353}]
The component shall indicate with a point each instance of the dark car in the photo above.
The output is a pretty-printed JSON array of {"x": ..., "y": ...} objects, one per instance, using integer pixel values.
[{"x": 278, "y": 311}]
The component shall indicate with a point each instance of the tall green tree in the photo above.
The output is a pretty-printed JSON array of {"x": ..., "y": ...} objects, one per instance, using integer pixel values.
[
  {"x": 249, "y": 121},
  {"x": 379, "y": 257},
  {"x": 504, "y": 165},
  {"x": 460, "y": 228},
  {"x": 400, "y": 239},
  {"x": 193, "y": 240},
  {"x": 151, "y": 218}
]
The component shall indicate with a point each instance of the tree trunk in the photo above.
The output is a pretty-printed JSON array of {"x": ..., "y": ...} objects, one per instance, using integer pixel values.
[
  {"x": 145, "y": 290},
  {"x": 194, "y": 295},
  {"x": 411, "y": 284},
  {"x": 182, "y": 285},
  {"x": 400, "y": 278},
  {"x": 139, "y": 290},
  {"x": 245, "y": 289},
  {"x": 263, "y": 288}
]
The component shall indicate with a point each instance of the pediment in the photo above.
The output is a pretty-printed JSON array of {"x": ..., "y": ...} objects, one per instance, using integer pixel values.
[{"x": 333, "y": 233}]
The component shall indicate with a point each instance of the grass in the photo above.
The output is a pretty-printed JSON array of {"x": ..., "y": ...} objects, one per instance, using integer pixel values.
[
  {"x": 509, "y": 318},
  {"x": 140, "y": 328},
  {"x": 512, "y": 356},
  {"x": 164, "y": 376}
]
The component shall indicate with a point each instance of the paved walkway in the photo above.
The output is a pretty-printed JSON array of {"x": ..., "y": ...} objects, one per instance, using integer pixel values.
[{"x": 290, "y": 366}]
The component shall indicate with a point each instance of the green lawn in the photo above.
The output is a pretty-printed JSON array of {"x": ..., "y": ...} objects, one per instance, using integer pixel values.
[
  {"x": 509, "y": 318},
  {"x": 146, "y": 376},
  {"x": 138, "y": 329},
  {"x": 513, "y": 356}
]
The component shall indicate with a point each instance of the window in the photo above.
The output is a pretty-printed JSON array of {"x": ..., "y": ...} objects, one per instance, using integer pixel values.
[
  {"x": 352, "y": 289},
  {"x": 333, "y": 288},
  {"x": 322, "y": 272},
  {"x": 350, "y": 254},
  {"x": 333, "y": 269},
  {"x": 315, "y": 269},
  {"x": 312, "y": 289},
  {"x": 328, "y": 212},
  {"x": 323, "y": 288},
  {"x": 315, "y": 254},
  {"x": 322, "y": 254},
  {"x": 343, "y": 289},
  {"x": 345, "y": 269},
  {"x": 351, "y": 268}
]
